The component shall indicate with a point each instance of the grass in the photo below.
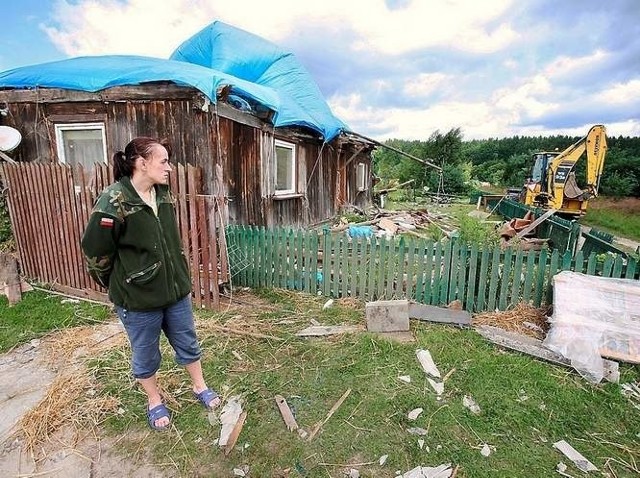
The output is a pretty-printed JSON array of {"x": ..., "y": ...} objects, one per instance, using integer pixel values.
[
  {"x": 312, "y": 374},
  {"x": 620, "y": 218},
  {"x": 40, "y": 312}
]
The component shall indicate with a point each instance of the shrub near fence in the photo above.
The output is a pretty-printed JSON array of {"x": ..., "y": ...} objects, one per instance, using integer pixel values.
[{"x": 335, "y": 265}]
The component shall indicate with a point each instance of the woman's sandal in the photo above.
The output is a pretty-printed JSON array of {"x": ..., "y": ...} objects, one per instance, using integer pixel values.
[
  {"x": 206, "y": 397},
  {"x": 156, "y": 413}
]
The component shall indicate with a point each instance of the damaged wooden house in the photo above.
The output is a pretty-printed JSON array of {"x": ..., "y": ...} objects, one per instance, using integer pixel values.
[
  {"x": 237, "y": 106},
  {"x": 254, "y": 140}
]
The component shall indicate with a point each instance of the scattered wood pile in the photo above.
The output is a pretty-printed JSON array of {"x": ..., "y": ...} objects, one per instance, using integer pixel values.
[
  {"x": 390, "y": 223},
  {"x": 520, "y": 232}
]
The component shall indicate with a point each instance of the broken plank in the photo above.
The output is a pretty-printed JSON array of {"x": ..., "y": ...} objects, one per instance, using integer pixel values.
[
  {"x": 531, "y": 346},
  {"x": 285, "y": 411},
  {"x": 320, "y": 330},
  {"x": 235, "y": 433},
  {"x": 438, "y": 314},
  {"x": 535, "y": 223}
]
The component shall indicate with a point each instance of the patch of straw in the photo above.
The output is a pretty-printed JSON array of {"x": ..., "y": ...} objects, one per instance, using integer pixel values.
[
  {"x": 74, "y": 342},
  {"x": 70, "y": 400},
  {"x": 513, "y": 320}
]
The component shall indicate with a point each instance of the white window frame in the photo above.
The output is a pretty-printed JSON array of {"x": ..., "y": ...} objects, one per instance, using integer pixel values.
[
  {"x": 361, "y": 177},
  {"x": 294, "y": 176},
  {"x": 62, "y": 127}
]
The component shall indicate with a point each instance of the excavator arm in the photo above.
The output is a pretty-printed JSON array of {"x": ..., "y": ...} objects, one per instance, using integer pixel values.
[{"x": 561, "y": 181}]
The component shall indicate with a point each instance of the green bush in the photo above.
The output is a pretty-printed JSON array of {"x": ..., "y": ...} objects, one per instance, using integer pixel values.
[{"x": 473, "y": 231}]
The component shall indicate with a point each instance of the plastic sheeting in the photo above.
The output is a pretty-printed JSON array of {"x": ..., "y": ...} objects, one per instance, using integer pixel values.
[
  {"x": 594, "y": 317},
  {"x": 225, "y": 48},
  {"x": 218, "y": 56}
]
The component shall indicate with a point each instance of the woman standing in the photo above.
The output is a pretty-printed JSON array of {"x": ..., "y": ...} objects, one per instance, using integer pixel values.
[{"x": 133, "y": 248}]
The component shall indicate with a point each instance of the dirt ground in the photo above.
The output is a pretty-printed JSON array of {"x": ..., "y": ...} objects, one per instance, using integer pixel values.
[{"x": 26, "y": 374}]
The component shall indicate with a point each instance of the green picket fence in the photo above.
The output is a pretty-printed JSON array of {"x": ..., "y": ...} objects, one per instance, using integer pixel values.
[{"x": 335, "y": 265}]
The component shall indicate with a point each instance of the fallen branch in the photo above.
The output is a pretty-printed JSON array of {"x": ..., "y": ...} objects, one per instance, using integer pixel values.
[{"x": 331, "y": 412}]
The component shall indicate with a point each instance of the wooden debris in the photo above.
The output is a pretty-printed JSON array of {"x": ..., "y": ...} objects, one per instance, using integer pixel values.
[
  {"x": 331, "y": 412},
  {"x": 320, "y": 330},
  {"x": 438, "y": 314},
  {"x": 580, "y": 461},
  {"x": 531, "y": 346},
  {"x": 388, "y": 225},
  {"x": 229, "y": 417},
  {"x": 235, "y": 433},
  {"x": 285, "y": 411},
  {"x": 10, "y": 283},
  {"x": 535, "y": 223}
]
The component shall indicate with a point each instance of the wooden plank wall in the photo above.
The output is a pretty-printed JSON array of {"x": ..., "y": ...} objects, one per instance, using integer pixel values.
[
  {"x": 205, "y": 137},
  {"x": 50, "y": 205}
]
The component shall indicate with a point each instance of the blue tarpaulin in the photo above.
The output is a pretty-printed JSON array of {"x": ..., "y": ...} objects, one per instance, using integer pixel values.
[{"x": 217, "y": 56}]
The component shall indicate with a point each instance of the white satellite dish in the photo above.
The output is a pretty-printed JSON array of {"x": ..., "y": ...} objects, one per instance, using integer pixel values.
[{"x": 9, "y": 138}]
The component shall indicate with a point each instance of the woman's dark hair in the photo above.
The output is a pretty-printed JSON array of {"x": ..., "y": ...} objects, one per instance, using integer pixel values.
[{"x": 124, "y": 161}]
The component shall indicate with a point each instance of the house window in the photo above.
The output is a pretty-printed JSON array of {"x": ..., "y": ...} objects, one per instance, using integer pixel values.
[
  {"x": 285, "y": 168},
  {"x": 361, "y": 177},
  {"x": 81, "y": 143}
]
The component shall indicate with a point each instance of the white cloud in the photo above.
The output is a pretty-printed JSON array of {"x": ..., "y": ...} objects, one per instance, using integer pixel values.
[
  {"x": 565, "y": 66},
  {"x": 621, "y": 93},
  {"x": 425, "y": 84},
  {"x": 527, "y": 100},
  {"x": 140, "y": 27},
  {"x": 148, "y": 27},
  {"x": 476, "y": 119}
]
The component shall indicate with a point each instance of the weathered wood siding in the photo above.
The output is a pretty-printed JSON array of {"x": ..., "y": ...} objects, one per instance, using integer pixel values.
[{"x": 212, "y": 137}]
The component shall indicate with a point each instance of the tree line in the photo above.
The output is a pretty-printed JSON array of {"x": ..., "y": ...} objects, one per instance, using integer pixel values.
[{"x": 503, "y": 162}]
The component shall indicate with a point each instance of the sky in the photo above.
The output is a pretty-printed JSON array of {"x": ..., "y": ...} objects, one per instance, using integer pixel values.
[{"x": 390, "y": 69}]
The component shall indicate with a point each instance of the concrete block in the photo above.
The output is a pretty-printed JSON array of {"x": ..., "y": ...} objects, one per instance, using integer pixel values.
[{"x": 387, "y": 316}]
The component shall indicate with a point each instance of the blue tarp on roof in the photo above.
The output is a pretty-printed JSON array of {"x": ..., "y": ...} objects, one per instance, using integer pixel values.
[
  {"x": 217, "y": 56},
  {"x": 225, "y": 48}
]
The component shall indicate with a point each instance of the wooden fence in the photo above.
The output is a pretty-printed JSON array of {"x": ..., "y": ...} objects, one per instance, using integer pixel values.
[
  {"x": 335, "y": 265},
  {"x": 50, "y": 205}
]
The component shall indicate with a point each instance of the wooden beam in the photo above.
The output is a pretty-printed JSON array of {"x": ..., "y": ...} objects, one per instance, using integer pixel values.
[
  {"x": 410, "y": 156},
  {"x": 535, "y": 223},
  {"x": 7, "y": 158},
  {"x": 531, "y": 346},
  {"x": 330, "y": 414},
  {"x": 353, "y": 156}
]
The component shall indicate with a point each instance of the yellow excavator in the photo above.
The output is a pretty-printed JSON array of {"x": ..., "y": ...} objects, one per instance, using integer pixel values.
[{"x": 552, "y": 183}]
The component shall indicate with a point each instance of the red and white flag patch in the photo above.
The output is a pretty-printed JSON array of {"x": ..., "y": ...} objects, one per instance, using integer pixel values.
[{"x": 106, "y": 222}]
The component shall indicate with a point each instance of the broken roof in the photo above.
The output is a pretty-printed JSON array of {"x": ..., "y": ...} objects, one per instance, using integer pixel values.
[{"x": 218, "y": 56}]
